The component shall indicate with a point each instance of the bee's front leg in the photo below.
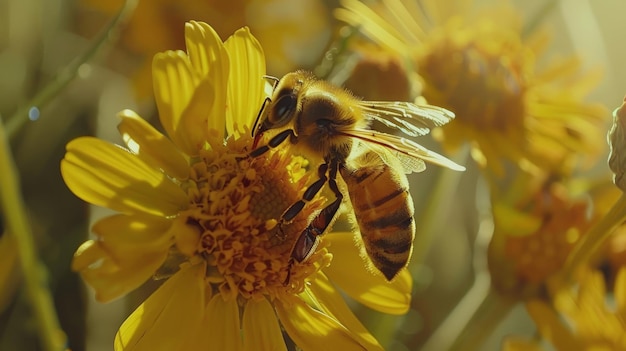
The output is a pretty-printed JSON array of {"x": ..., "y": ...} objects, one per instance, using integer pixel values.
[{"x": 274, "y": 142}]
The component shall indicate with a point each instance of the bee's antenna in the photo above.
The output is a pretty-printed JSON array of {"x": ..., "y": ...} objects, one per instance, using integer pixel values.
[
  {"x": 267, "y": 99},
  {"x": 258, "y": 117},
  {"x": 272, "y": 78}
]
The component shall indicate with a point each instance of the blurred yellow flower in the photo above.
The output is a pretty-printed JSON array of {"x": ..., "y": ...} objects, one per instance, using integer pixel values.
[
  {"x": 604, "y": 229},
  {"x": 381, "y": 75},
  {"x": 537, "y": 223},
  {"x": 195, "y": 208},
  {"x": 583, "y": 319},
  {"x": 479, "y": 67},
  {"x": 291, "y": 35}
]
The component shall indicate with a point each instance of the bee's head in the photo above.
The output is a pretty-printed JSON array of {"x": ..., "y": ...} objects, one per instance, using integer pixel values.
[{"x": 281, "y": 108}]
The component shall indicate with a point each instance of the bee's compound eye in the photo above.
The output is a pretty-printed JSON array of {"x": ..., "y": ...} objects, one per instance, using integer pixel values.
[{"x": 283, "y": 108}]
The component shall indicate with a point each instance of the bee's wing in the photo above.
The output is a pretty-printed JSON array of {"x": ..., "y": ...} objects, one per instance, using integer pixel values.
[
  {"x": 394, "y": 159},
  {"x": 411, "y": 119},
  {"x": 411, "y": 154}
]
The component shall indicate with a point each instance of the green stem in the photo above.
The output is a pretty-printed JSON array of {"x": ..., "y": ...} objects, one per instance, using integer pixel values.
[
  {"x": 65, "y": 75},
  {"x": 473, "y": 319},
  {"x": 594, "y": 238},
  {"x": 539, "y": 17},
  {"x": 439, "y": 200},
  {"x": 487, "y": 314},
  {"x": 37, "y": 291},
  {"x": 480, "y": 310}
]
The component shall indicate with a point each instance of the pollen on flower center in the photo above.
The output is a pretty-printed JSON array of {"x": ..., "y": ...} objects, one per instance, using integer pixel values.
[
  {"x": 235, "y": 203},
  {"x": 480, "y": 73}
]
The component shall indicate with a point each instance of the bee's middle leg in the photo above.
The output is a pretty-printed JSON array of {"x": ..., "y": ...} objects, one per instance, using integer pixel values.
[
  {"x": 308, "y": 195},
  {"x": 307, "y": 241}
]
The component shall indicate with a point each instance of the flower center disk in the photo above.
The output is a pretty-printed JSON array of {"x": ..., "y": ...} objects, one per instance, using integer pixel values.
[
  {"x": 484, "y": 62},
  {"x": 232, "y": 221}
]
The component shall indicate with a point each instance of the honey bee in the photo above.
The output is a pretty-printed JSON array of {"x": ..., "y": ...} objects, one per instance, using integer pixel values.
[{"x": 336, "y": 130}]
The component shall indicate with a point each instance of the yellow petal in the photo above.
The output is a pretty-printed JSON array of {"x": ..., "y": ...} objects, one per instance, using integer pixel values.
[
  {"x": 592, "y": 288},
  {"x": 246, "y": 84},
  {"x": 518, "y": 344},
  {"x": 129, "y": 251},
  {"x": 169, "y": 316},
  {"x": 510, "y": 221},
  {"x": 220, "y": 328},
  {"x": 371, "y": 23},
  {"x": 312, "y": 330},
  {"x": 175, "y": 84},
  {"x": 260, "y": 327},
  {"x": 152, "y": 146},
  {"x": 223, "y": 321},
  {"x": 193, "y": 128},
  {"x": 334, "y": 304},
  {"x": 127, "y": 236},
  {"x": 109, "y": 279},
  {"x": 107, "y": 175},
  {"x": 209, "y": 60},
  {"x": 370, "y": 288},
  {"x": 550, "y": 326},
  {"x": 90, "y": 253}
]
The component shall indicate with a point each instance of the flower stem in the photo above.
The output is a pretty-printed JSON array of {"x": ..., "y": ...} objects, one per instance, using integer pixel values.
[
  {"x": 37, "y": 291},
  {"x": 474, "y": 318},
  {"x": 539, "y": 17},
  {"x": 493, "y": 308},
  {"x": 68, "y": 73},
  {"x": 439, "y": 200},
  {"x": 594, "y": 238}
]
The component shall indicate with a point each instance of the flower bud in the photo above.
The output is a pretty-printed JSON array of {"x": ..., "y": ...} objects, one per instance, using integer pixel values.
[{"x": 617, "y": 143}]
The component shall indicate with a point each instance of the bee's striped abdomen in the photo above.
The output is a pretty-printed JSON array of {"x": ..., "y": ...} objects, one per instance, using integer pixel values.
[{"x": 383, "y": 208}]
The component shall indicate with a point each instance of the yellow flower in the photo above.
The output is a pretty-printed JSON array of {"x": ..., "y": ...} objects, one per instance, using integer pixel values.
[
  {"x": 537, "y": 223},
  {"x": 616, "y": 215},
  {"x": 583, "y": 319},
  {"x": 195, "y": 206},
  {"x": 380, "y": 75},
  {"x": 480, "y": 68},
  {"x": 291, "y": 35}
]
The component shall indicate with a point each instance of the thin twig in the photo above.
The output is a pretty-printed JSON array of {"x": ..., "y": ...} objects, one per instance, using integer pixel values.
[
  {"x": 35, "y": 284},
  {"x": 65, "y": 75}
]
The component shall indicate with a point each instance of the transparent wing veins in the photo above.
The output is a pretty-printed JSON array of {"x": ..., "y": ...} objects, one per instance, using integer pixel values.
[
  {"x": 411, "y": 119},
  {"x": 410, "y": 154}
]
